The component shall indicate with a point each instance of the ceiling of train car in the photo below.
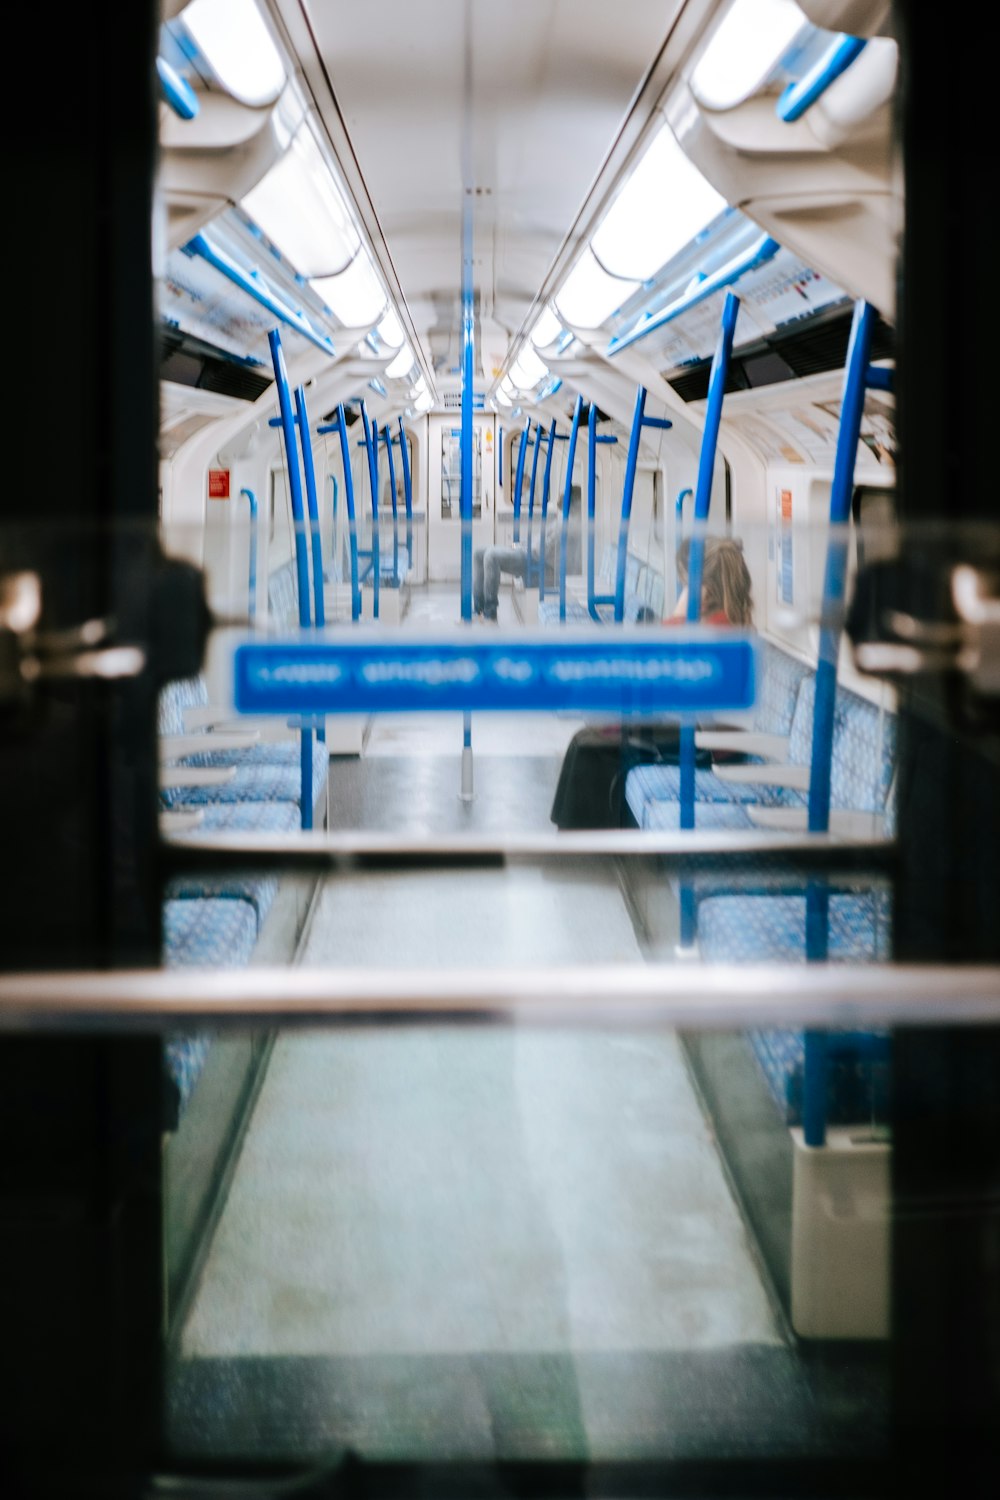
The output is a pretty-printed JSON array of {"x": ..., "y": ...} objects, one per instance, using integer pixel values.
[{"x": 511, "y": 108}]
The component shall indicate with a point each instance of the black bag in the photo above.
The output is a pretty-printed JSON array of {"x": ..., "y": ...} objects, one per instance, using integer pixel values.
[{"x": 590, "y": 792}]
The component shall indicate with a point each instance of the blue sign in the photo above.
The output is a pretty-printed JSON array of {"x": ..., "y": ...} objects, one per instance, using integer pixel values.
[{"x": 325, "y": 675}]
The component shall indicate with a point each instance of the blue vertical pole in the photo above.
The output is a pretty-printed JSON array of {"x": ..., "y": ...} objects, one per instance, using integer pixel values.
[
  {"x": 252, "y": 582},
  {"x": 404, "y": 455},
  {"x": 340, "y": 426},
  {"x": 465, "y": 497},
  {"x": 567, "y": 502},
  {"x": 631, "y": 463},
  {"x": 315, "y": 540},
  {"x": 591, "y": 503},
  {"x": 546, "y": 481},
  {"x": 519, "y": 480},
  {"x": 703, "y": 496},
  {"x": 316, "y": 547},
  {"x": 395, "y": 508},
  {"x": 834, "y": 586},
  {"x": 352, "y": 520},
  {"x": 373, "y": 483},
  {"x": 301, "y": 561},
  {"x": 528, "y": 577}
]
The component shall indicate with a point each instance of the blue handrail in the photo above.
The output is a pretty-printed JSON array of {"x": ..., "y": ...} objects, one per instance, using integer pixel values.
[
  {"x": 760, "y": 251},
  {"x": 593, "y": 598},
  {"x": 546, "y": 482},
  {"x": 803, "y": 93},
  {"x": 252, "y": 582},
  {"x": 339, "y": 425},
  {"x": 519, "y": 480},
  {"x": 301, "y": 560},
  {"x": 176, "y": 90},
  {"x": 387, "y": 439},
  {"x": 249, "y": 282},
  {"x": 404, "y": 455},
  {"x": 539, "y": 439},
  {"x": 316, "y": 544},
  {"x": 567, "y": 501},
  {"x": 702, "y": 501},
  {"x": 639, "y": 421},
  {"x": 373, "y": 485}
]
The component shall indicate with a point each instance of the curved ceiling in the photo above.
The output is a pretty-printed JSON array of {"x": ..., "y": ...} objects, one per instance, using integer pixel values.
[{"x": 510, "y": 110}]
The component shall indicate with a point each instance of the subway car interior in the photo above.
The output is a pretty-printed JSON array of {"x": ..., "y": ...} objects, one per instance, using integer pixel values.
[{"x": 500, "y": 727}]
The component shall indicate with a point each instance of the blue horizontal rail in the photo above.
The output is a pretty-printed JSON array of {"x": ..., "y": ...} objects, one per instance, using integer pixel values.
[
  {"x": 803, "y": 93},
  {"x": 759, "y": 253},
  {"x": 250, "y": 282},
  {"x": 176, "y": 91}
]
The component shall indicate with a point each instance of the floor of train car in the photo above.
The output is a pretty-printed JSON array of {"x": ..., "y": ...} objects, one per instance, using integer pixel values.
[{"x": 488, "y": 1244}]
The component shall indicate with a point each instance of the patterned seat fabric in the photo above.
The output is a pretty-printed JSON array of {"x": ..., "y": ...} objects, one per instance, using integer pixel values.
[
  {"x": 237, "y": 817},
  {"x": 202, "y": 932}
]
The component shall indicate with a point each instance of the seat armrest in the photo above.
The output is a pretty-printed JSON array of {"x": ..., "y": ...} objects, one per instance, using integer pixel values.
[
  {"x": 747, "y": 741},
  {"x": 173, "y": 746},
  {"x": 177, "y": 819},
  {"x": 172, "y": 776},
  {"x": 782, "y": 774},
  {"x": 845, "y": 822}
]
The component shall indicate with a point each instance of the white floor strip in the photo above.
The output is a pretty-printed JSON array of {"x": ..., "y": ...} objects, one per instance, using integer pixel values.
[{"x": 455, "y": 1190}]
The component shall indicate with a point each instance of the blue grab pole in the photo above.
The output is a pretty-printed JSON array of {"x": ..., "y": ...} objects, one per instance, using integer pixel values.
[
  {"x": 352, "y": 520},
  {"x": 373, "y": 486},
  {"x": 468, "y": 335},
  {"x": 395, "y": 508},
  {"x": 702, "y": 501},
  {"x": 593, "y": 598},
  {"x": 519, "y": 480},
  {"x": 834, "y": 586},
  {"x": 546, "y": 481},
  {"x": 404, "y": 456},
  {"x": 315, "y": 539},
  {"x": 567, "y": 502},
  {"x": 301, "y": 561},
  {"x": 631, "y": 463},
  {"x": 252, "y": 581},
  {"x": 531, "y": 495},
  {"x": 316, "y": 546}
]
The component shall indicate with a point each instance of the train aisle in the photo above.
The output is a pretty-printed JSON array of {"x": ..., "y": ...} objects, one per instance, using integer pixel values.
[{"x": 481, "y": 1243}]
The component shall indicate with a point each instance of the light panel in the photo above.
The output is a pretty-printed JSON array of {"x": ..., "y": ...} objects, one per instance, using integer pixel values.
[
  {"x": 300, "y": 208},
  {"x": 589, "y": 295},
  {"x": 664, "y": 205},
  {"x": 356, "y": 296},
  {"x": 232, "y": 38},
  {"x": 748, "y": 44}
]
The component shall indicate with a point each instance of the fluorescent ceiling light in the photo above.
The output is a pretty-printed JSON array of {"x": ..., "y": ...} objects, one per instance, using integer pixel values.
[
  {"x": 752, "y": 38},
  {"x": 507, "y": 386},
  {"x": 238, "y": 48},
  {"x": 356, "y": 295},
  {"x": 390, "y": 330},
  {"x": 300, "y": 208},
  {"x": 664, "y": 205},
  {"x": 424, "y": 401},
  {"x": 420, "y": 384},
  {"x": 401, "y": 365},
  {"x": 546, "y": 329},
  {"x": 528, "y": 369},
  {"x": 503, "y": 398},
  {"x": 589, "y": 295}
]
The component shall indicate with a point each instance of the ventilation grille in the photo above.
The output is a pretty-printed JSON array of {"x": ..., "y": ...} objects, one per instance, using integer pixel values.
[
  {"x": 812, "y": 348},
  {"x": 188, "y": 361},
  {"x": 452, "y": 400}
]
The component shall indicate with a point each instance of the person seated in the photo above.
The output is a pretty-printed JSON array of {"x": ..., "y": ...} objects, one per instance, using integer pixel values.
[
  {"x": 490, "y": 563},
  {"x": 590, "y": 792}
]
